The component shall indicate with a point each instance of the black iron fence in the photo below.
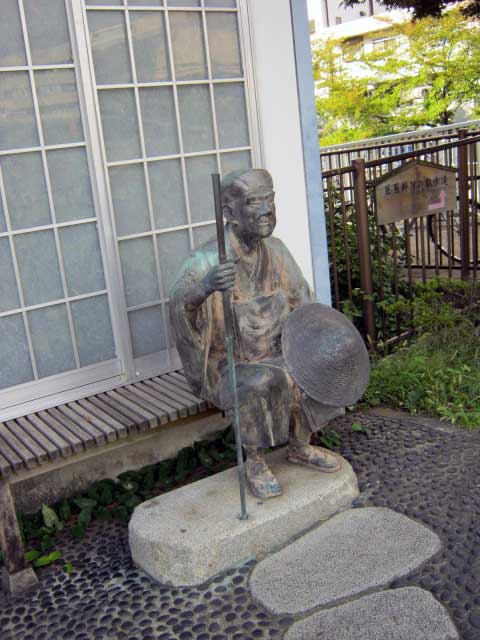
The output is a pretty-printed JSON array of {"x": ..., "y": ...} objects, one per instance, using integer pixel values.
[{"x": 375, "y": 266}]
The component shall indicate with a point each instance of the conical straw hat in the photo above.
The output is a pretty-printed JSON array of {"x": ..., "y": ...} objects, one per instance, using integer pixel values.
[{"x": 326, "y": 355}]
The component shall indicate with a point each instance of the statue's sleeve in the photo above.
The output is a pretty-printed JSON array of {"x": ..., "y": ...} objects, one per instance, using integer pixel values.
[
  {"x": 294, "y": 283},
  {"x": 191, "y": 327}
]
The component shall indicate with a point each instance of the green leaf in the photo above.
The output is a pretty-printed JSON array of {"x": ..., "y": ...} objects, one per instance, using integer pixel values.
[
  {"x": 64, "y": 511},
  {"x": 130, "y": 486},
  {"x": 43, "y": 561},
  {"x": 85, "y": 503},
  {"x": 78, "y": 531},
  {"x": 46, "y": 543},
  {"x": 55, "y": 555},
  {"x": 68, "y": 568},
  {"x": 85, "y": 516},
  {"x": 148, "y": 480},
  {"x": 105, "y": 495},
  {"x": 50, "y": 518},
  {"x": 32, "y": 555},
  {"x": 205, "y": 459},
  {"x": 218, "y": 456},
  {"x": 103, "y": 514},
  {"x": 228, "y": 435},
  {"x": 356, "y": 426}
]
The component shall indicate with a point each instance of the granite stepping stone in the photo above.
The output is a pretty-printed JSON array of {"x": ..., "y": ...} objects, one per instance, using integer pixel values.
[
  {"x": 400, "y": 614},
  {"x": 352, "y": 553}
]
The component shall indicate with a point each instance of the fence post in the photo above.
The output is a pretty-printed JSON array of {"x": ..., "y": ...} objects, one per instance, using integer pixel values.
[
  {"x": 463, "y": 205},
  {"x": 363, "y": 239}
]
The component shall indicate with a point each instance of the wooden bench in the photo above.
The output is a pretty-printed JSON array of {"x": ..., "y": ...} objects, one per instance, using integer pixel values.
[{"x": 59, "y": 434}]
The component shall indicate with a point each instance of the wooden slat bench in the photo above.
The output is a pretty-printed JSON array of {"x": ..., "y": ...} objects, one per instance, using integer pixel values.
[{"x": 59, "y": 434}]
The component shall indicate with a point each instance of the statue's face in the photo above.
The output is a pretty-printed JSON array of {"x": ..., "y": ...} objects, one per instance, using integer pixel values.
[{"x": 255, "y": 213}]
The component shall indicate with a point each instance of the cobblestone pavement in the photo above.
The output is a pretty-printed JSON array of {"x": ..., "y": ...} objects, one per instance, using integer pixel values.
[{"x": 413, "y": 466}]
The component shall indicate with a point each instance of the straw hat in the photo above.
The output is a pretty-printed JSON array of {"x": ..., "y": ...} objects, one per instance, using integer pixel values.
[{"x": 325, "y": 355}]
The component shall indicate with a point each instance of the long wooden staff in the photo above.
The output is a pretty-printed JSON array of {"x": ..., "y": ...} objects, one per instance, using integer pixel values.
[{"x": 228, "y": 319}]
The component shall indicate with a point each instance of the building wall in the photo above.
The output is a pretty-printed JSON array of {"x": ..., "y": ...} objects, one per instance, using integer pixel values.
[{"x": 328, "y": 13}]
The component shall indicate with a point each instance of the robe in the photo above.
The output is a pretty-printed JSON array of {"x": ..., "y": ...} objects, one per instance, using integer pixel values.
[{"x": 269, "y": 285}]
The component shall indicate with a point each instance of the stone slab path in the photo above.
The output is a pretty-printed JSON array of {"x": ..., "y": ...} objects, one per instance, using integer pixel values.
[
  {"x": 401, "y": 614},
  {"x": 354, "y": 552}
]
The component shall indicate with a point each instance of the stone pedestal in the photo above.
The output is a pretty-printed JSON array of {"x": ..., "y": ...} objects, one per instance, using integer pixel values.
[{"x": 187, "y": 536}]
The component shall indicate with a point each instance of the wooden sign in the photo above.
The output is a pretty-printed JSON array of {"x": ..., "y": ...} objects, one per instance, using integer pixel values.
[{"x": 416, "y": 189}]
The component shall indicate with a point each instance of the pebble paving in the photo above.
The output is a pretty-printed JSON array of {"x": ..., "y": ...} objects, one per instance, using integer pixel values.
[{"x": 412, "y": 466}]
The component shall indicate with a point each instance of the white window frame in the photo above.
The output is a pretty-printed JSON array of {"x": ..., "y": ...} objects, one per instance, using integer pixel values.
[{"x": 65, "y": 387}]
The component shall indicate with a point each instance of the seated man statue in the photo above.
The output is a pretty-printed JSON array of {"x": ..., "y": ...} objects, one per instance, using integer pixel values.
[{"x": 267, "y": 285}]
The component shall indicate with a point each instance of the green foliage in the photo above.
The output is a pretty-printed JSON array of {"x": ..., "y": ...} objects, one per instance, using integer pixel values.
[
  {"x": 439, "y": 305},
  {"x": 50, "y": 518},
  {"x": 437, "y": 372},
  {"x": 115, "y": 499},
  {"x": 329, "y": 438},
  {"x": 344, "y": 243},
  {"x": 423, "y": 8},
  {"x": 429, "y": 69}
]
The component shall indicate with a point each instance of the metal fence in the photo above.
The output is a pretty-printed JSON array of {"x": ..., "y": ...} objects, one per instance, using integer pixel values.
[{"x": 375, "y": 266}]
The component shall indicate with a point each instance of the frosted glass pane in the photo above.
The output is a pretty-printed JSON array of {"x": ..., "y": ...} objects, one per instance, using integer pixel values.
[
  {"x": 204, "y": 234},
  {"x": 93, "y": 330},
  {"x": 15, "y": 365},
  {"x": 183, "y": 3},
  {"x": 148, "y": 331},
  {"x": 220, "y": 3},
  {"x": 59, "y": 107},
  {"x": 17, "y": 117},
  {"x": 120, "y": 125},
  {"x": 196, "y": 118},
  {"x": 231, "y": 115},
  {"x": 225, "y": 57},
  {"x": 8, "y": 287},
  {"x": 38, "y": 265},
  {"x": 139, "y": 273},
  {"x": 82, "y": 259},
  {"x": 108, "y": 36},
  {"x": 52, "y": 342},
  {"x": 235, "y": 161},
  {"x": 188, "y": 45},
  {"x": 129, "y": 199},
  {"x": 200, "y": 192},
  {"x": 48, "y": 31},
  {"x": 168, "y": 196},
  {"x": 173, "y": 248},
  {"x": 159, "y": 122},
  {"x": 12, "y": 52},
  {"x": 71, "y": 187},
  {"x": 150, "y": 45},
  {"x": 26, "y": 190}
]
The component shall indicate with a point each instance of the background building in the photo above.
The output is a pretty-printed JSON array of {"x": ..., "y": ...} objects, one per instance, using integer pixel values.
[{"x": 328, "y": 13}]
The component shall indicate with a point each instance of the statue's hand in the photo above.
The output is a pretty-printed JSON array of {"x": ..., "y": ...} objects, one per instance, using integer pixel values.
[{"x": 220, "y": 277}]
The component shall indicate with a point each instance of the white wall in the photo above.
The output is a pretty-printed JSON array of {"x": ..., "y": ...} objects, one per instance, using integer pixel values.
[
  {"x": 279, "y": 117},
  {"x": 315, "y": 13}
]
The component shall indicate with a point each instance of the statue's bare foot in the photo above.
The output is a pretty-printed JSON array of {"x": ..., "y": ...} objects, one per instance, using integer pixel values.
[
  {"x": 316, "y": 457},
  {"x": 263, "y": 484}
]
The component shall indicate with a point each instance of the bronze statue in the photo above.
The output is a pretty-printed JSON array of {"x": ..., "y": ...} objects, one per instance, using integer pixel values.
[{"x": 267, "y": 287}]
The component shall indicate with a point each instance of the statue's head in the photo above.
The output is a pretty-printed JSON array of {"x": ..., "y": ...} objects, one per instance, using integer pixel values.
[{"x": 248, "y": 203}]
